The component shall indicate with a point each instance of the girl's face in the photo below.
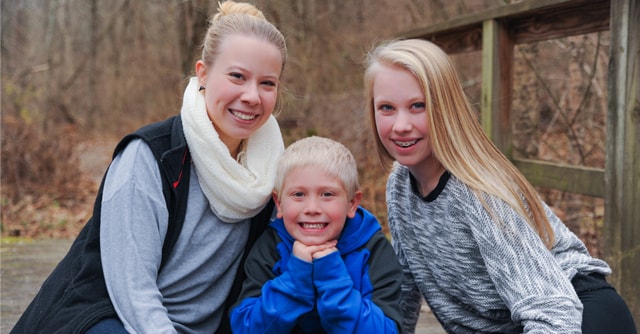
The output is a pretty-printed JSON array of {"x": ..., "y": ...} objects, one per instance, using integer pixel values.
[
  {"x": 314, "y": 205},
  {"x": 401, "y": 117},
  {"x": 241, "y": 87}
]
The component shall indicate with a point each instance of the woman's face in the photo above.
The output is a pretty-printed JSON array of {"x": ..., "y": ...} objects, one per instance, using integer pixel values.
[
  {"x": 241, "y": 87},
  {"x": 401, "y": 117}
]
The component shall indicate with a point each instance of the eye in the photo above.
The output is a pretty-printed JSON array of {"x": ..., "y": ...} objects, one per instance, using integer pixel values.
[
  {"x": 236, "y": 75},
  {"x": 385, "y": 108},
  {"x": 269, "y": 83},
  {"x": 297, "y": 194},
  {"x": 327, "y": 194},
  {"x": 418, "y": 106}
]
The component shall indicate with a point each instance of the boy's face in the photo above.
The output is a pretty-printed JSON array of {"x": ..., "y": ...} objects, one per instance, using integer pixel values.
[{"x": 314, "y": 205}]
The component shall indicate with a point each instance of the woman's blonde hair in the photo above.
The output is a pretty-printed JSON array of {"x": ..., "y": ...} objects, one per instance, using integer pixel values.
[
  {"x": 330, "y": 155},
  {"x": 456, "y": 135},
  {"x": 237, "y": 18}
]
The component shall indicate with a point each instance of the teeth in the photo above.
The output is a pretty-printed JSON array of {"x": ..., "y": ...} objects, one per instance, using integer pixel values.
[
  {"x": 242, "y": 116},
  {"x": 313, "y": 226},
  {"x": 405, "y": 143}
]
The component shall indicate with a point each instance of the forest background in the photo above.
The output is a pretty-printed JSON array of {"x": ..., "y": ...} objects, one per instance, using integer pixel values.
[{"x": 77, "y": 75}]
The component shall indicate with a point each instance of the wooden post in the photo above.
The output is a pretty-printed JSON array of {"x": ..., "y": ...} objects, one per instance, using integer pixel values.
[
  {"x": 497, "y": 64},
  {"x": 622, "y": 172}
]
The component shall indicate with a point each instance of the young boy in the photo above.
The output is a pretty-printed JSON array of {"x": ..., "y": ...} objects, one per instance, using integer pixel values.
[{"x": 324, "y": 264}]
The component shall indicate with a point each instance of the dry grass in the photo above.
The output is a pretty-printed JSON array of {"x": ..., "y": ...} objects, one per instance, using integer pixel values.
[{"x": 44, "y": 193}]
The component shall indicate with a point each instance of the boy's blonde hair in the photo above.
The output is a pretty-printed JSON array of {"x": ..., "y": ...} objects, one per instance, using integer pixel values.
[{"x": 331, "y": 156}]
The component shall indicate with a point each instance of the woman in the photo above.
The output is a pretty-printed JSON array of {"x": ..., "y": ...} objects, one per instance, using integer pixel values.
[
  {"x": 174, "y": 214},
  {"x": 475, "y": 239}
]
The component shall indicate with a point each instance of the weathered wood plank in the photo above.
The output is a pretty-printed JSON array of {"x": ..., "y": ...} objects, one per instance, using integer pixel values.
[
  {"x": 527, "y": 21},
  {"x": 555, "y": 22},
  {"x": 457, "y": 40},
  {"x": 575, "y": 179},
  {"x": 497, "y": 63}
]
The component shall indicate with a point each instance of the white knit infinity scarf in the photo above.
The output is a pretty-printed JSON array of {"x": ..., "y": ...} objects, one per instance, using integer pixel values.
[{"x": 235, "y": 192}]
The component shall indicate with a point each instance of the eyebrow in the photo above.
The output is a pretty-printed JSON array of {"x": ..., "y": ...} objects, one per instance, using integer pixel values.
[{"x": 239, "y": 68}]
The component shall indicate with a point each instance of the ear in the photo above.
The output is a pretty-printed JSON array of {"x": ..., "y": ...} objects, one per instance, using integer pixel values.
[
  {"x": 355, "y": 201},
  {"x": 201, "y": 73},
  {"x": 275, "y": 199}
]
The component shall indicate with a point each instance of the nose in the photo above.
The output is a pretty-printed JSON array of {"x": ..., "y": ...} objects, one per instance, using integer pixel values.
[
  {"x": 312, "y": 206},
  {"x": 251, "y": 94},
  {"x": 402, "y": 122}
]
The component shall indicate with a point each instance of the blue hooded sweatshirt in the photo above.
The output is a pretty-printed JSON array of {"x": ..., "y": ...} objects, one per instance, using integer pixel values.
[{"x": 354, "y": 290}]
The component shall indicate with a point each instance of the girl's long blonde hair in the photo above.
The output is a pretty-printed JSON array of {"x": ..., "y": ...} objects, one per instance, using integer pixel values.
[{"x": 456, "y": 135}]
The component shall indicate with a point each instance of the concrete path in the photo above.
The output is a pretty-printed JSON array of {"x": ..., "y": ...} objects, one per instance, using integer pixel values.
[{"x": 25, "y": 264}]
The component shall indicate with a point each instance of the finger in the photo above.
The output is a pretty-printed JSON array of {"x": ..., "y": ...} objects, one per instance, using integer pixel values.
[{"x": 324, "y": 252}]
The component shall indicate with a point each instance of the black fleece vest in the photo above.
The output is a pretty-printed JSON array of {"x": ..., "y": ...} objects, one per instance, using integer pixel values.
[{"x": 74, "y": 297}]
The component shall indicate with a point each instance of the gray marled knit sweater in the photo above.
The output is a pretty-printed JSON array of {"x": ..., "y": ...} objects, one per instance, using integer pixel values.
[{"x": 478, "y": 275}]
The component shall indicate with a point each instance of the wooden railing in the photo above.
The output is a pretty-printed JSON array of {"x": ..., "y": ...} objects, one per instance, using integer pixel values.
[{"x": 495, "y": 33}]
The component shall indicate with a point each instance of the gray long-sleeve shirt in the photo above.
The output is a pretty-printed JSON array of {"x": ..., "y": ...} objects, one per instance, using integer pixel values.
[
  {"x": 478, "y": 275},
  {"x": 188, "y": 295}
]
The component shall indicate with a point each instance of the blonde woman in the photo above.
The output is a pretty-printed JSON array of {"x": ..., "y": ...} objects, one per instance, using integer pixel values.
[
  {"x": 182, "y": 200},
  {"x": 475, "y": 239}
]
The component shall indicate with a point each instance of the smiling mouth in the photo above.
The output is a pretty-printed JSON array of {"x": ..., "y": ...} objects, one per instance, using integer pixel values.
[
  {"x": 313, "y": 226},
  {"x": 243, "y": 116},
  {"x": 406, "y": 143}
]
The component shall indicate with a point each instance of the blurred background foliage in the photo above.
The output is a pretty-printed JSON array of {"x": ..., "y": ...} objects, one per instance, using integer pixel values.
[{"x": 79, "y": 74}]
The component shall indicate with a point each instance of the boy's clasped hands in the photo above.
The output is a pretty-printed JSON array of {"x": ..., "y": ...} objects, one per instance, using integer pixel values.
[{"x": 309, "y": 253}]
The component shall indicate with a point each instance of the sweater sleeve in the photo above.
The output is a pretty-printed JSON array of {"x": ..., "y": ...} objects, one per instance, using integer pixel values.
[
  {"x": 270, "y": 303},
  {"x": 410, "y": 295},
  {"x": 134, "y": 221},
  {"x": 343, "y": 309},
  {"x": 524, "y": 272}
]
